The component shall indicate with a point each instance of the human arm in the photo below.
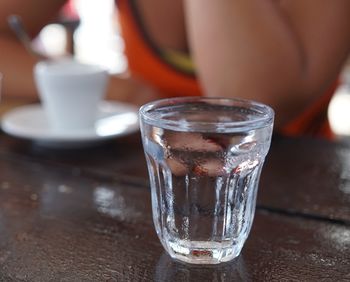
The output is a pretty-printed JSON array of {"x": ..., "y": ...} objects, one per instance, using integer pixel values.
[
  {"x": 16, "y": 63},
  {"x": 283, "y": 53},
  {"x": 130, "y": 89}
]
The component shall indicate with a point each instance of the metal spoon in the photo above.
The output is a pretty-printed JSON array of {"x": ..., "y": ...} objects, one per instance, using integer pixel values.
[{"x": 15, "y": 23}]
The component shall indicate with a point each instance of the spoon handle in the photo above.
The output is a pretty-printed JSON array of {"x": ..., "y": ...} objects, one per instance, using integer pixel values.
[{"x": 17, "y": 26}]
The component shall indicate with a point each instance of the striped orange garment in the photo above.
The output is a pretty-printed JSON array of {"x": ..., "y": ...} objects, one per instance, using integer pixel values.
[{"x": 145, "y": 63}]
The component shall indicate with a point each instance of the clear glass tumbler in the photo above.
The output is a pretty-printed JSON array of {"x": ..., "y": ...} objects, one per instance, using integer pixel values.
[{"x": 204, "y": 157}]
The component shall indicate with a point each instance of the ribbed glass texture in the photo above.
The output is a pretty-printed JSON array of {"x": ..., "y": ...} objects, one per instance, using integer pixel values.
[{"x": 204, "y": 159}]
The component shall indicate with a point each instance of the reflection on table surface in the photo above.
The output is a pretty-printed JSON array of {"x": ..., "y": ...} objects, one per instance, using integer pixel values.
[{"x": 85, "y": 215}]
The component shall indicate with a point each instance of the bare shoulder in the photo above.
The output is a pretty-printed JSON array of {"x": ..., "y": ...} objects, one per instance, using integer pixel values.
[
  {"x": 318, "y": 20},
  {"x": 322, "y": 29},
  {"x": 164, "y": 22}
]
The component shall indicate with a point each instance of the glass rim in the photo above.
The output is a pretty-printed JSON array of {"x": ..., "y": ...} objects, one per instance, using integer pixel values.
[{"x": 267, "y": 117}]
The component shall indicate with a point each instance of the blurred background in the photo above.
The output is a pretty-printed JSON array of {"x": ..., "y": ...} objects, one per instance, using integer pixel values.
[
  {"x": 94, "y": 25},
  {"x": 88, "y": 23}
]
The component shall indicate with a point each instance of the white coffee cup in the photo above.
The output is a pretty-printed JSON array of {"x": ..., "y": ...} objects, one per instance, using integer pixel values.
[{"x": 70, "y": 92}]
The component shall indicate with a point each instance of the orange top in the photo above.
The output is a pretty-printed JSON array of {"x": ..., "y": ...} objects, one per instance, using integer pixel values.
[
  {"x": 314, "y": 120},
  {"x": 146, "y": 62}
]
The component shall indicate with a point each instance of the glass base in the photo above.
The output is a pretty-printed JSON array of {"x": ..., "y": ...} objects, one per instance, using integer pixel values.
[{"x": 203, "y": 252}]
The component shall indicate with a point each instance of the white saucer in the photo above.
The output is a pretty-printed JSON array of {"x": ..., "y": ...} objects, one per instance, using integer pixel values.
[{"x": 114, "y": 119}]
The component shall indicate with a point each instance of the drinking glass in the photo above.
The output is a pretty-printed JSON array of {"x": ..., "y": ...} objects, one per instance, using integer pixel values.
[{"x": 204, "y": 158}]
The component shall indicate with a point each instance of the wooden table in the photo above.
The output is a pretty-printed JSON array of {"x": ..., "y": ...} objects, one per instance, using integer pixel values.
[{"x": 85, "y": 215}]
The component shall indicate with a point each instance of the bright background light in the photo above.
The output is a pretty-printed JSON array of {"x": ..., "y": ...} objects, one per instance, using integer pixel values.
[
  {"x": 339, "y": 108},
  {"x": 97, "y": 39}
]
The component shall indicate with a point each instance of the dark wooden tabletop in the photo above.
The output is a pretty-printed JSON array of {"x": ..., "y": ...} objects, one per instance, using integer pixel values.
[{"x": 85, "y": 215}]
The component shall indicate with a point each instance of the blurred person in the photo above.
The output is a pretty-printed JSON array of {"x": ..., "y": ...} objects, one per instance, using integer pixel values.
[{"x": 285, "y": 53}]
